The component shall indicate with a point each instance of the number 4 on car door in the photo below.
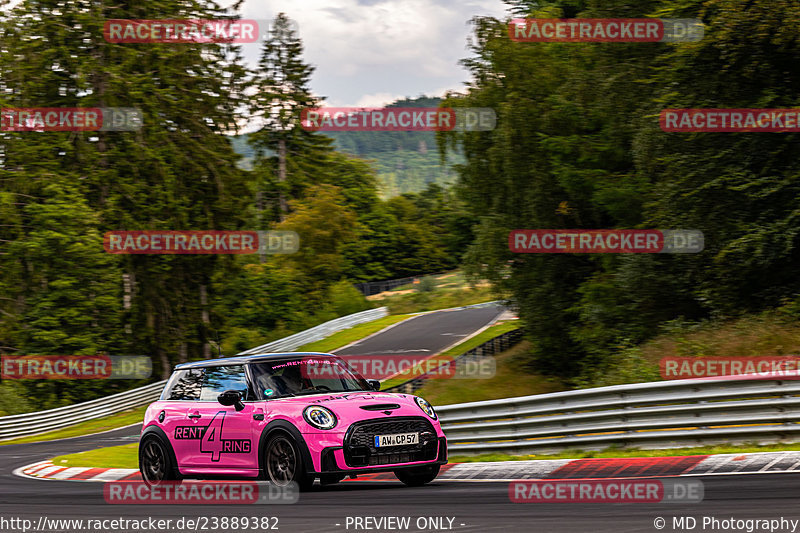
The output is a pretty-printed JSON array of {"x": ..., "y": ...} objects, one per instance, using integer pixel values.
[
  {"x": 212, "y": 438},
  {"x": 218, "y": 443}
]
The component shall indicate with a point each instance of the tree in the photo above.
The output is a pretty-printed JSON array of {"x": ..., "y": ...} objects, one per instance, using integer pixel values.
[
  {"x": 559, "y": 158},
  {"x": 740, "y": 189},
  {"x": 325, "y": 224},
  {"x": 66, "y": 289},
  {"x": 177, "y": 172},
  {"x": 282, "y": 92}
]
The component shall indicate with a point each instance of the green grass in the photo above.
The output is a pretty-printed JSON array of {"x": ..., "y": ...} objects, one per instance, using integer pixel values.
[
  {"x": 418, "y": 302},
  {"x": 343, "y": 338},
  {"x": 771, "y": 333},
  {"x": 632, "y": 452},
  {"x": 488, "y": 334},
  {"x": 452, "y": 279},
  {"x": 119, "y": 420},
  {"x": 125, "y": 456},
  {"x": 511, "y": 379},
  {"x": 450, "y": 290}
]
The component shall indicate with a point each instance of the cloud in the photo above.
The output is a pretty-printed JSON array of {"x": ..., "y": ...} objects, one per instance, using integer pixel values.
[
  {"x": 377, "y": 100},
  {"x": 369, "y": 48}
]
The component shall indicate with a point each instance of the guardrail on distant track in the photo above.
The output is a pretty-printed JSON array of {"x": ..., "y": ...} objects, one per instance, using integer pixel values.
[
  {"x": 491, "y": 347},
  {"x": 28, "y": 424}
]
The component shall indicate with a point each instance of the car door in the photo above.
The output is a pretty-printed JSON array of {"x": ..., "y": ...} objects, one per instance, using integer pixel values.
[
  {"x": 226, "y": 443},
  {"x": 180, "y": 399}
]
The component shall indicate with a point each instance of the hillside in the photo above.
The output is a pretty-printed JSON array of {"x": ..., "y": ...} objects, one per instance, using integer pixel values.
[
  {"x": 775, "y": 333},
  {"x": 404, "y": 161}
]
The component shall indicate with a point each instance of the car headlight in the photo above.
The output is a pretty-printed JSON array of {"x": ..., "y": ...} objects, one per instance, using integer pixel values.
[
  {"x": 320, "y": 417},
  {"x": 425, "y": 406}
]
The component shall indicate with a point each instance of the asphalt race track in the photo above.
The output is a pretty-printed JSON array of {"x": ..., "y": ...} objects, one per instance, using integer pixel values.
[
  {"x": 473, "y": 506},
  {"x": 479, "y": 506},
  {"x": 427, "y": 334}
]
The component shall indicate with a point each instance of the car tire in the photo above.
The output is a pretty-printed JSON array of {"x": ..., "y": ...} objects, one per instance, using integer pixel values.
[
  {"x": 283, "y": 462},
  {"x": 155, "y": 462},
  {"x": 416, "y": 477}
]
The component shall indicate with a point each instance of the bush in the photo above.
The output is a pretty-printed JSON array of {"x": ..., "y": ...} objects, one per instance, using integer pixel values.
[
  {"x": 426, "y": 284},
  {"x": 627, "y": 365},
  {"x": 346, "y": 299},
  {"x": 12, "y": 399}
]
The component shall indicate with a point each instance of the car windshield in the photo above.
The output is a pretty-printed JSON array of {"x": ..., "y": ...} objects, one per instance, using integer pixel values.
[{"x": 301, "y": 376}]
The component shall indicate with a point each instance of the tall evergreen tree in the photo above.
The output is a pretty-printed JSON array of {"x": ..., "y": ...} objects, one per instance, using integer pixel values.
[
  {"x": 177, "y": 172},
  {"x": 282, "y": 92},
  {"x": 559, "y": 158}
]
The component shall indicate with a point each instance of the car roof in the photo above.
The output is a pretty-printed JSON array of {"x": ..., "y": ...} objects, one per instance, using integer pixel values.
[{"x": 244, "y": 359}]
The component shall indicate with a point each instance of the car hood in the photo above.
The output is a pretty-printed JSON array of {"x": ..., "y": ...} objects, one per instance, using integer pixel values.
[{"x": 350, "y": 407}]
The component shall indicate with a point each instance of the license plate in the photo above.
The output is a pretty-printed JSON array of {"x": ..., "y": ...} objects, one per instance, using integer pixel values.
[{"x": 398, "y": 439}]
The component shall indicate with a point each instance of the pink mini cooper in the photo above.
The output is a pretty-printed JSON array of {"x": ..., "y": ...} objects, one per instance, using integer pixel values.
[{"x": 286, "y": 417}]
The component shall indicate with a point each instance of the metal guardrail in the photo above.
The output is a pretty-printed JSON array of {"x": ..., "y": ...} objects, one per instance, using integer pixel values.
[
  {"x": 368, "y": 288},
  {"x": 28, "y": 424},
  {"x": 319, "y": 332},
  {"x": 493, "y": 303},
  {"x": 646, "y": 415},
  {"x": 491, "y": 347}
]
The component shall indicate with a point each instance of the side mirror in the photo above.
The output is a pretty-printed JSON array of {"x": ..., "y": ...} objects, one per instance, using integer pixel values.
[
  {"x": 231, "y": 397},
  {"x": 374, "y": 384}
]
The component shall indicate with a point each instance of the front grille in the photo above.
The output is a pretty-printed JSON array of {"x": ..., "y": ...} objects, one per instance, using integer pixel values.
[{"x": 360, "y": 450}]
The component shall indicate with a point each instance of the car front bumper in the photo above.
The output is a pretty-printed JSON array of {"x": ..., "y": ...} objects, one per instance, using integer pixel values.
[
  {"x": 333, "y": 461},
  {"x": 353, "y": 451}
]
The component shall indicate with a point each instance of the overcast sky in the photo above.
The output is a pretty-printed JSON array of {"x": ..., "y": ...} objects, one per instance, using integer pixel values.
[{"x": 372, "y": 52}]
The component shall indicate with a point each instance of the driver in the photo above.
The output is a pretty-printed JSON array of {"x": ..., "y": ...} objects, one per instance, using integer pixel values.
[{"x": 293, "y": 379}]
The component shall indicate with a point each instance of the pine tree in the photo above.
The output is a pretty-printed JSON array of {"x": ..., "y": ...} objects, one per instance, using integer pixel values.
[
  {"x": 282, "y": 92},
  {"x": 177, "y": 172}
]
